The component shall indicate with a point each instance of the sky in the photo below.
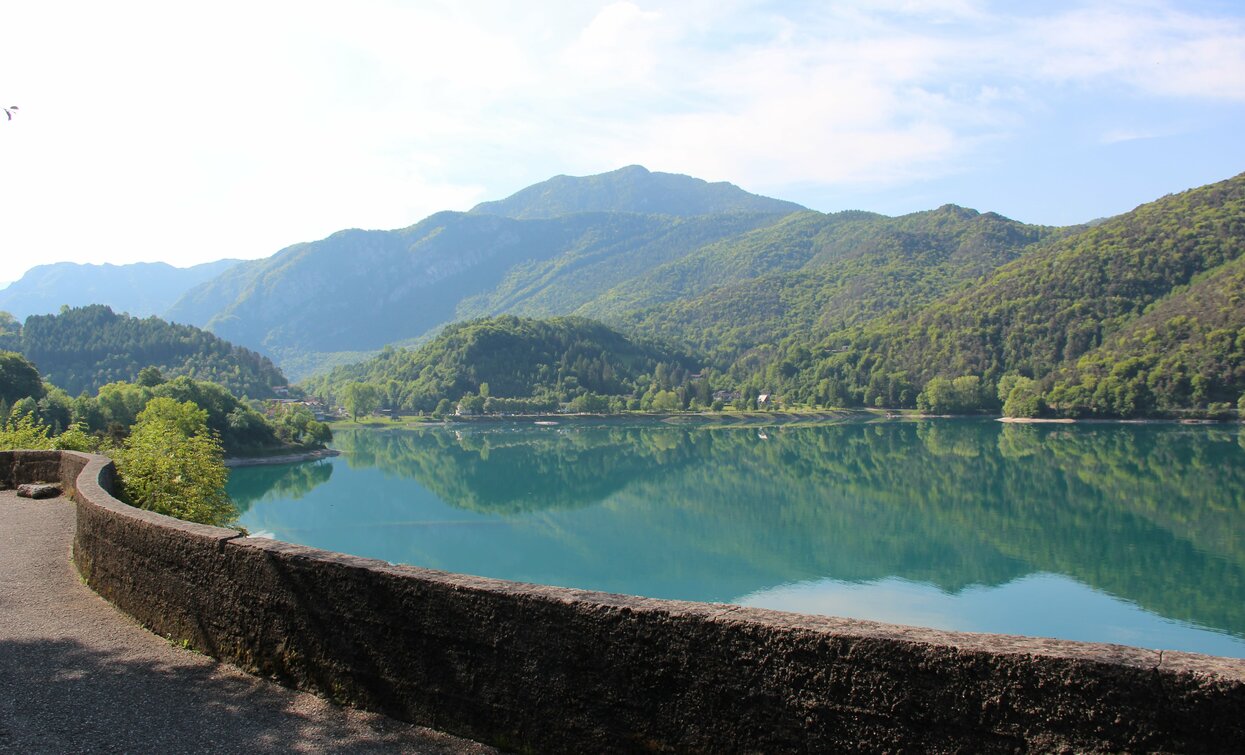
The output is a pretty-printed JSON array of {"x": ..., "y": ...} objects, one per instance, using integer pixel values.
[{"x": 187, "y": 133}]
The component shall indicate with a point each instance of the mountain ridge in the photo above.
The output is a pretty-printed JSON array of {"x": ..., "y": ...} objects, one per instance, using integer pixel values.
[
  {"x": 633, "y": 188},
  {"x": 140, "y": 288}
]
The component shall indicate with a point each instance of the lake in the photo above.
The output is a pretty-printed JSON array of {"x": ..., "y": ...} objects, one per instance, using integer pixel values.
[{"x": 1124, "y": 533}]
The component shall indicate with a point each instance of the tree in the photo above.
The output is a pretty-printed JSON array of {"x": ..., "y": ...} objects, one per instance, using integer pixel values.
[
  {"x": 172, "y": 464},
  {"x": 937, "y": 398},
  {"x": 1021, "y": 396},
  {"x": 666, "y": 401},
  {"x": 589, "y": 403},
  {"x": 962, "y": 395},
  {"x": 150, "y": 377},
  {"x": 25, "y": 407},
  {"x": 471, "y": 404},
  {"x": 18, "y": 378},
  {"x": 120, "y": 402},
  {"x": 360, "y": 398},
  {"x": 23, "y": 432}
]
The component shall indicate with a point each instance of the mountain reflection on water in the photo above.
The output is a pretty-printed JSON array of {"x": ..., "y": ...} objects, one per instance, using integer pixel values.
[{"x": 1140, "y": 525}]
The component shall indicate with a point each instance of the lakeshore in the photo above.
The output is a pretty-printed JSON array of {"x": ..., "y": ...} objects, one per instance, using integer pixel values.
[{"x": 255, "y": 461}]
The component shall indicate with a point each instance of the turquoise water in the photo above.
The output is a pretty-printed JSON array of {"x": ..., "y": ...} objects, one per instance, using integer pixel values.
[{"x": 1114, "y": 533}]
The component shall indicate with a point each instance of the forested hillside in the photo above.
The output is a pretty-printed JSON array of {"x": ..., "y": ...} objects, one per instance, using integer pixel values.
[
  {"x": 1082, "y": 295},
  {"x": 1187, "y": 350},
  {"x": 514, "y": 364},
  {"x": 813, "y": 275},
  {"x": 82, "y": 349},
  {"x": 619, "y": 249}
]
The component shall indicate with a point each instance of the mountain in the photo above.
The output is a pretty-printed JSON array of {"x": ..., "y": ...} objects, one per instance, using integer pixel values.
[
  {"x": 1152, "y": 291},
  {"x": 631, "y": 189},
  {"x": 81, "y": 349},
  {"x": 548, "y": 361},
  {"x": 623, "y": 248},
  {"x": 812, "y": 274},
  {"x": 141, "y": 289},
  {"x": 360, "y": 290},
  {"x": 845, "y": 308}
]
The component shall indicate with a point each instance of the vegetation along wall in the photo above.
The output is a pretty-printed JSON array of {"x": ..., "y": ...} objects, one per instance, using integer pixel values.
[{"x": 547, "y": 669}]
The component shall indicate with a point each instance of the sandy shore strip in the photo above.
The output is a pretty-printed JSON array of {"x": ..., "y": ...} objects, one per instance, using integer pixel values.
[{"x": 322, "y": 453}]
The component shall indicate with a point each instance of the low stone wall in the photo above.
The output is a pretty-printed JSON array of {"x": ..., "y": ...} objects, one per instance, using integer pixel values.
[{"x": 547, "y": 669}]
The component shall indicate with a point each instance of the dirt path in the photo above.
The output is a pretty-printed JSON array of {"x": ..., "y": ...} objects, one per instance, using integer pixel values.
[{"x": 76, "y": 675}]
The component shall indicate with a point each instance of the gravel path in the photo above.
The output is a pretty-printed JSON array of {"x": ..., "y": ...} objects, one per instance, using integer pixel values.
[{"x": 76, "y": 675}]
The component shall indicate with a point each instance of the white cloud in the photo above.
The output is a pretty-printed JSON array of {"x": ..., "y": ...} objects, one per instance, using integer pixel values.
[
  {"x": 619, "y": 46},
  {"x": 154, "y": 129}
]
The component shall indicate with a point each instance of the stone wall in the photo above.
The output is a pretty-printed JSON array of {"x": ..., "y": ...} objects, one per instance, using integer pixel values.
[{"x": 546, "y": 669}]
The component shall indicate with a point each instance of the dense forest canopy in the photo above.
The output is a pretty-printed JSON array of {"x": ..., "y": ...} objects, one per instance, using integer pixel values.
[
  {"x": 1047, "y": 315},
  {"x": 813, "y": 275},
  {"x": 512, "y": 364},
  {"x": 84, "y": 348}
]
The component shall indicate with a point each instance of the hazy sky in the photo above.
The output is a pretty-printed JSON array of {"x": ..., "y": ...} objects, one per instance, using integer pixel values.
[{"x": 191, "y": 132}]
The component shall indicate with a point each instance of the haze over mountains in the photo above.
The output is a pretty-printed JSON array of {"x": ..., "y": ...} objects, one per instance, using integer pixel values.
[{"x": 140, "y": 289}]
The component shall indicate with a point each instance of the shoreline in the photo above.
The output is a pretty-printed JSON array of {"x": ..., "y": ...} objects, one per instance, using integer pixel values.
[
  {"x": 257, "y": 461},
  {"x": 742, "y": 418},
  {"x": 1108, "y": 421}
]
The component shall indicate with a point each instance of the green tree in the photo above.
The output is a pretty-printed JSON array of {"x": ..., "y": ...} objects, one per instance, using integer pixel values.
[
  {"x": 189, "y": 418},
  {"x": 25, "y": 407},
  {"x": 1021, "y": 396},
  {"x": 120, "y": 402},
  {"x": 589, "y": 403},
  {"x": 938, "y": 396},
  {"x": 164, "y": 468},
  {"x": 24, "y": 431},
  {"x": 471, "y": 404},
  {"x": 666, "y": 401},
  {"x": 444, "y": 407},
  {"x": 55, "y": 409},
  {"x": 150, "y": 377},
  {"x": 360, "y": 399},
  {"x": 18, "y": 378},
  {"x": 76, "y": 438}
]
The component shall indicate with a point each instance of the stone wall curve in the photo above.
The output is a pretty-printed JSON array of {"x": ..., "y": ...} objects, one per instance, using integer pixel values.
[{"x": 536, "y": 668}]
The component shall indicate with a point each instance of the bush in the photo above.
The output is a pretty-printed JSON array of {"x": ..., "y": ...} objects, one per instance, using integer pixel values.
[
  {"x": 23, "y": 431},
  {"x": 173, "y": 464}
]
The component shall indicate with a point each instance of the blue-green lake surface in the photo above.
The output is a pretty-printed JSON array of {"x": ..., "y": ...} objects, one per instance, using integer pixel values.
[{"x": 1122, "y": 533}]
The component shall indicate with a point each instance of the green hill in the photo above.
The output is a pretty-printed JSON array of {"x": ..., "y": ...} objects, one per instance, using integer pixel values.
[
  {"x": 617, "y": 250},
  {"x": 1062, "y": 301},
  {"x": 813, "y": 274},
  {"x": 1186, "y": 350},
  {"x": 81, "y": 349},
  {"x": 546, "y": 361}
]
